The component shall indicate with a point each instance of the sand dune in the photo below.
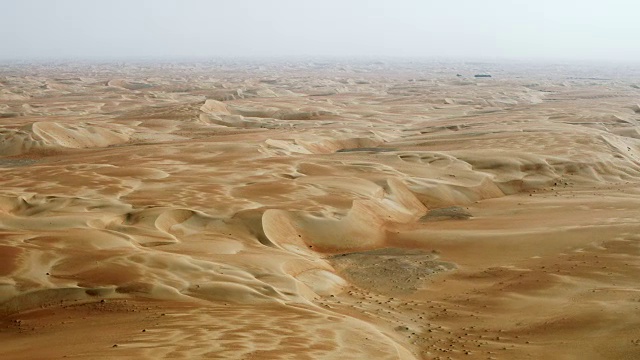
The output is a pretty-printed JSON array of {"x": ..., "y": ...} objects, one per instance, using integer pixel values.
[
  {"x": 318, "y": 211},
  {"x": 47, "y": 136}
]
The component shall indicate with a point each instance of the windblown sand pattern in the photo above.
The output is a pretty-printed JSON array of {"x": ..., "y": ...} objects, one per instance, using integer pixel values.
[{"x": 319, "y": 211}]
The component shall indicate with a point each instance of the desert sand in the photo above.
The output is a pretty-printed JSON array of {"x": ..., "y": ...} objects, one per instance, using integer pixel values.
[{"x": 319, "y": 210}]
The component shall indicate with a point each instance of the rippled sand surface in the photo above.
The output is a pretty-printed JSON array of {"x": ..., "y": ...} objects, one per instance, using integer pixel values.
[{"x": 310, "y": 210}]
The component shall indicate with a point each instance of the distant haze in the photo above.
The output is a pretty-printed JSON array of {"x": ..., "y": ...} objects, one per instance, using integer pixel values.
[{"x": 490, "y": 29}]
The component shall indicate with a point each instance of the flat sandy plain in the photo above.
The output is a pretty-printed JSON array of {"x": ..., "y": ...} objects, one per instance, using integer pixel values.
[{"x": 309, "y": 210}]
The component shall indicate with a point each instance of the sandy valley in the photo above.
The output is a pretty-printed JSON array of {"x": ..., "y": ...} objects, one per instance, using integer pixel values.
[{"x": 319, "y": 210}]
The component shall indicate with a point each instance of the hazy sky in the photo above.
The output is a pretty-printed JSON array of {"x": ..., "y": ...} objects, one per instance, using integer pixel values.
[{"x": 534, "y": 29}]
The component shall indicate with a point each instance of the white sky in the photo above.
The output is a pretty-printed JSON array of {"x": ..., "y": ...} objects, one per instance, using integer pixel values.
[{"x": 487, "y": 29}]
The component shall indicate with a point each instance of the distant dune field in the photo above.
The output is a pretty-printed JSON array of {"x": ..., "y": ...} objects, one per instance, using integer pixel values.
[{"x": 302, "y": 211}]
